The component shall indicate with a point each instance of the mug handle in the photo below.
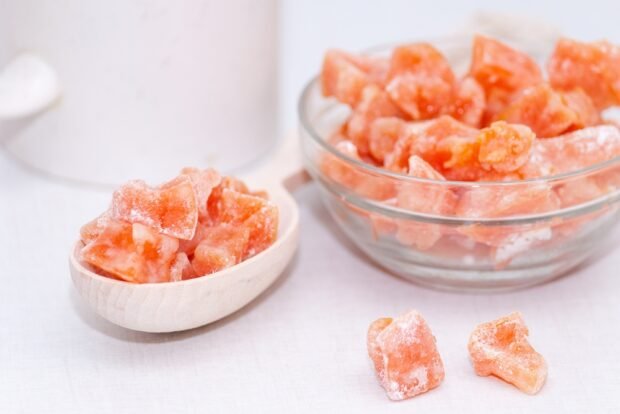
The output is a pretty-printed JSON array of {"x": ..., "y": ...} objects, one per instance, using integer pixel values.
[{"x": 27, "y": 85}]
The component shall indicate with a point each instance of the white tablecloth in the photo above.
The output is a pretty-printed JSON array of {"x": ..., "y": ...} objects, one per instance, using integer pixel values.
[{"x": 301, "y": 346}]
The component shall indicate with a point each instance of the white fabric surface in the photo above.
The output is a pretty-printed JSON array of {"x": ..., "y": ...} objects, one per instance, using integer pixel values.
[{"x": 301, "y": 346}]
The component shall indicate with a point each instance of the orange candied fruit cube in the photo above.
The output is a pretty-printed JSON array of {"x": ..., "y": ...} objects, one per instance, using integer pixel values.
[
  {"x": 223, "y": 246},
  {"x": 375, "y": 103},
  {"x": 404, "y": 354},
  {"x": 132, "y": 252},
  {"x": 505, "y": 147},
  {"x": 501, "y": 71},
  {"x": 501, "y": 348},
  {"x": 171, "y": 208},
  {"x": 592, "y": 67},
  {"x": 469, "y": 102},
  {"x": 342, "y": 78},
  {"x": 550, "y": 113}
]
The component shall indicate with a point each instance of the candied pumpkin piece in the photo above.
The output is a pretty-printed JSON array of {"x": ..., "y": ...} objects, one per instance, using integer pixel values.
[
  {"x": 593, "y": 67},
  {"x": 181, "y": 268},
  {"x": 423, "y": 198},
  {"x": 469, "y": 102},
  {"x": 223, "y": 246},
  {"x": 501, "y": 348},
  {"x": 404, "y": 353},
  {"x": 422, "y": 138},
  {"x": 505, "y": 147},
  {"x": 576, "y": 150},
  {"x": 342, "y": 78},
  {"x": 91, "y": 230},
  {"x": 383, "y": 135},
  {"x": 501, "y": 71},
  {"x": 132, "y": 252},
  {"x": 419, "y": 95},
  {"x": 204, "y": 181},
  {"x": 257, "y": 215},
  {"x": 374, "y": 351},
  {"x": 420, "y": 58},
  {"x": 549, "y": 113},
  {"x": 171, "y": 209},
  {"x": 375, "y": 103}
]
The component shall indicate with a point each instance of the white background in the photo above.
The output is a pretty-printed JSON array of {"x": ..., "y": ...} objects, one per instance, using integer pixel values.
[{"x": 301, "y": 346}]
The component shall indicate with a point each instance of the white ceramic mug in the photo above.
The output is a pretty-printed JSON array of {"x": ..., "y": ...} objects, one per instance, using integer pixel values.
[{"x": 146, "y": 86}]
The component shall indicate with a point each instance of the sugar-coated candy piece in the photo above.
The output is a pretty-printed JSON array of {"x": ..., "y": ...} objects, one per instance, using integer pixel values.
[
  {"x": 257, "y": 215},
  {"x": 342, "y": 78},
  {"x": 578, "y": 149},
  {"x": 171, "y": 209},
  {"x": 223, "y": 246},
  {"x": 374, "y": 351},
  {"x": 383, "y": 135},
  {"x": 404, "y": 353},
  {"x": 469, "y": 102},
  {"x": 420, "y": 197},
  {"x": 204, "y": 181},
  {"x": 91, "y": 230},
  {"x": 505, "y": 147},
  {"x": 593, "y": 67},
  {"x": 422, "y": 138},
  {"x": 501, "y": 348},
  {"x": 132, "y": 252},
  {"x": 420, "y": 96},
  {"x": 550, "y": 113},
  {"x": 420, "y": 58},
  {"x": 501, "y": 71},
  {"x": 375, "y": 103},
  {"x": 181, "y": 268}
]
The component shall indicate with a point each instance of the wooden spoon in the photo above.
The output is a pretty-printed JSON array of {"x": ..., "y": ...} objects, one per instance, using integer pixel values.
[{"x": 177, "y": 306}]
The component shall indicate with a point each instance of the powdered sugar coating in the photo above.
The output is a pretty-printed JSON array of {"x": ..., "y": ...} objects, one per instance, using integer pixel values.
[{"x": 405, "y": 355}]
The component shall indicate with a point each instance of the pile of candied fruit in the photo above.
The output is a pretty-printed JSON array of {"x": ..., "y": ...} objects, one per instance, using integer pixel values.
[
  {"x": 194, "y": 225},
  {"x": 502, "y": 121},
  {"x": 407, "y": 363}
]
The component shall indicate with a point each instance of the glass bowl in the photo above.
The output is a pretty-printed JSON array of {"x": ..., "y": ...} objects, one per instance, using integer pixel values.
[{"x": 498, "y": 246}]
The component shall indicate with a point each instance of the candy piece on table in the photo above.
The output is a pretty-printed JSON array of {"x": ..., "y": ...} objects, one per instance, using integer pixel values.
[
  {"x": 419, "y": 95},
  {"x": 421, "y": 197},
  {"x": 469, "y": 102},
  {"x": 204, "y": 181},
  {"x": 181, "y": 268},
  {"x": 374, "y": 351},
  {"x": 342, "y": 78},
  {"x": 132, "y": 252},
  {"x": 593, "y": 67},
  {"x": 505, "y": 147},
  {"x": 501, "y": 348},
  {"x": 404, "y": 353},
  {"x": 383, "y": 135},
  {"x": 549, "y": 113},
  {"x": 170, "y": 209},
  {"x": 223, "y": 246},
  {"x": 91, "y": 230},
  {"x": 375, "y": 103},
  {"x": 501, "y": 71}
]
